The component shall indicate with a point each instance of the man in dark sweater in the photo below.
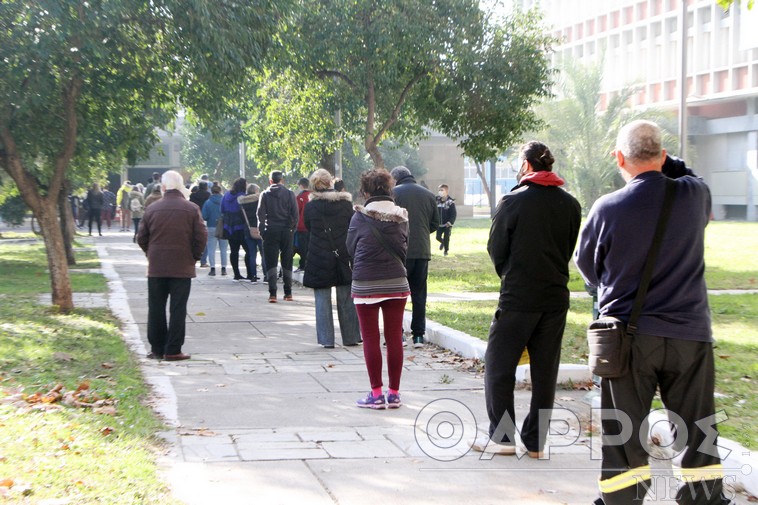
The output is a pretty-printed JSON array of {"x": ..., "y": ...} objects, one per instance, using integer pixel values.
[
  {"x": 423, "y": 219},
  {"x": 532, "y": 238},
  {"x": 277, "y": 220},
  {"x": 672, "y": 349}
]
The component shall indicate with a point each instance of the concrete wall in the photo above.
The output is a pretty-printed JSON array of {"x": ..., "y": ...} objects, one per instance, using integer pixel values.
[{"x": 444, "y": 162}]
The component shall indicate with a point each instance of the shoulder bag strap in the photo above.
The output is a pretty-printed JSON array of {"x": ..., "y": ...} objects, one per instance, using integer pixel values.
[
  {"x": 652, "y": 255},
  {"x": 335, "y": 250},
  {"x": 244, "y": 214}
]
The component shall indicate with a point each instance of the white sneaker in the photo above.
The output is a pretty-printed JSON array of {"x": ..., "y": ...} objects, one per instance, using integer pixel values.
[{"x": 484, "y": 444}]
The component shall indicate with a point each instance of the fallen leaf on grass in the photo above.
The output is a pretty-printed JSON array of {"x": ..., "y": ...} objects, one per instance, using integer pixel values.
[
  {"x": 63, "y": 356},
  {"x": 107, "y": 365},
  {"x": 107, "y": 410},
  {"x": 724, "y": 356},
  {"x": 106, "y": 431},
  {"x": 6, "y": 483}
]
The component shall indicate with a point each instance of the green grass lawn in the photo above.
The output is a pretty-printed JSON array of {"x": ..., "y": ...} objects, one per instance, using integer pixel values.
[
  {"x": 60, "y": 453},
  {"x": 729, "y": 257},
  {"x": 23, "y": 270}
]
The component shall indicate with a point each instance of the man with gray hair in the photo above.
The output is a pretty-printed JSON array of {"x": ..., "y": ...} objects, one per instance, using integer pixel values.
[
  {"x": 423, "y": 219},
  {"x": 672, "y": 348},
  {"x": 173, "y": 235}
]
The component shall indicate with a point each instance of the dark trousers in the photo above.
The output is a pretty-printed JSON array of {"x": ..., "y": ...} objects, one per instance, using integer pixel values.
[
  {"x": 237, "y": 240},
  {"x": 418, "y": 271},
  {"x": 94, "y": 215},
  {"x": 684, "y": 372},
  {"x": 510, "y": 332},
  {"x": 276, "y": 243},
  {"x": 302, "y": 238},
  {"x": 166, "y": 338},
  {"x": 136, "y": 221},
  {"x": 443, "y": 237}
]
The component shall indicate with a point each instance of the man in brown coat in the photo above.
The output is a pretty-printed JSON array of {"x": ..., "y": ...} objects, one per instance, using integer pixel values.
[{"x": 173, "y": 236}]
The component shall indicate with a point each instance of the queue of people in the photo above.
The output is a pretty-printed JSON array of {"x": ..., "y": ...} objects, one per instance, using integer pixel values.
[{"x": 377, "y": 254}]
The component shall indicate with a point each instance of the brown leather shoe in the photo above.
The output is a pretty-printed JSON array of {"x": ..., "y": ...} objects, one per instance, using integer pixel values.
[
  {"x": 176, "y": 357},
  {"x": 288, "y": 298},
  {"x": 272, "y": 299},
  {"x": 152, "y": 355}
]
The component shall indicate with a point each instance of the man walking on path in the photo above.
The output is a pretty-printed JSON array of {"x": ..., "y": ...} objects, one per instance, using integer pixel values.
[
  {"x": 277, "y": 220},
  {"x": 672, "y": 349},
  {"x": 173, "y": 236},
  {"x": 423, "y": 219},
  {"x": 531, "y": 241}
]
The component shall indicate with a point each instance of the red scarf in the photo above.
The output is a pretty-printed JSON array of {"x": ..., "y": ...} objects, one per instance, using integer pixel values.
[{"x": 543, "y": 178}]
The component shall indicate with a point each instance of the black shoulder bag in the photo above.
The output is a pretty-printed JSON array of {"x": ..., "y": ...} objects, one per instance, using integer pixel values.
[{"x": 609, "y": 339}]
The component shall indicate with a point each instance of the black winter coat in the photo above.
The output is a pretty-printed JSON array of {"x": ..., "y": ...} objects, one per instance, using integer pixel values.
[
  {"x": 423, "y": 217},
  {"x": 327, "y": 217},
  {"x": 531, "y": 242}
]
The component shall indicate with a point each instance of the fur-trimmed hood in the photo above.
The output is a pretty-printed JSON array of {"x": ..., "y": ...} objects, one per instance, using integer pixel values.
[
  {"x": 330, "y": 196},
  {"x": 245, "y": 199},
  {"x": 384, "y": 210}
]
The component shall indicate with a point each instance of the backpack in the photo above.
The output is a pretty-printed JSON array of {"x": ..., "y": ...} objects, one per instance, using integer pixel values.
[{"x": 135, "y": 205}]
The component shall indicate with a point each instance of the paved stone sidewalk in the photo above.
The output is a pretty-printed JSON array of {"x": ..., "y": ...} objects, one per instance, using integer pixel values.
[{"x": 262, "y": 414}]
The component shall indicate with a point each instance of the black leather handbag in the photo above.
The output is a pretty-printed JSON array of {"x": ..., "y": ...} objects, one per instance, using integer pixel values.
[{"x": 609, "y": 338}]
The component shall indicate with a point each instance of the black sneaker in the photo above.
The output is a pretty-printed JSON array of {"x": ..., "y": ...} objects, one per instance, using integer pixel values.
[
  {"x": 442, "y": 246},
  {"x": 223, "y": 270},
  {"x": 418, "y": 341},
  {"x": 212, "y": 273}
]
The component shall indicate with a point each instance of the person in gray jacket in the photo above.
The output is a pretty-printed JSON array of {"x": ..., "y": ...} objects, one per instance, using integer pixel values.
[{"x": 423, "y": 218}]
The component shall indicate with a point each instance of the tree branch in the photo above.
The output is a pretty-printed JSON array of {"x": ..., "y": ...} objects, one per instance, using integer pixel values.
[
  {"x": 70, "y": 97},
  {"x": 396, "y": 111},
  {"x": 10, "y": 161},
  {"x": 336, "y": 73}
]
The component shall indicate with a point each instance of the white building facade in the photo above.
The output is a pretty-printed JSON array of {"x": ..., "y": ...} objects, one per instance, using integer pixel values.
[{"x": 638, "y": 42}]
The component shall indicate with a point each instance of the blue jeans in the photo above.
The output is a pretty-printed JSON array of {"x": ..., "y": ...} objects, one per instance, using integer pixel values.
[
  {"x": 349, "y": 328},
  {"x": 211, "y": 248},
  {"x": 254, "y": 247}
]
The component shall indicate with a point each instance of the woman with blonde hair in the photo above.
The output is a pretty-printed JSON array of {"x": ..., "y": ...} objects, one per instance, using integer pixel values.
[{"x": 327, "y": 217}]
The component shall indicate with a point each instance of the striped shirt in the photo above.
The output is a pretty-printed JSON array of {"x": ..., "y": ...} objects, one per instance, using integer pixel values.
[{"x": 376, "y": 291}]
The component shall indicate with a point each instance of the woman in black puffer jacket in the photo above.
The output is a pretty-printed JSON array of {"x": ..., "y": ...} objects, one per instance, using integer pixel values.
[{"x": 327, "y": 216}]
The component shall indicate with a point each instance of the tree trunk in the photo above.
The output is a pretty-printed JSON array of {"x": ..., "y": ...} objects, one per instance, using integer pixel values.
[
  {"x": 67, "y": 224},
  {"x": 376, "y": 156},
  {"x": 480, "y": 173},
  {"x": 56, "y": 255}
]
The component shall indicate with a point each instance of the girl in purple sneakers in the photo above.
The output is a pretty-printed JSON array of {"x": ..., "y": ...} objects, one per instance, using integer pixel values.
[{"x": 378, "y": 241}]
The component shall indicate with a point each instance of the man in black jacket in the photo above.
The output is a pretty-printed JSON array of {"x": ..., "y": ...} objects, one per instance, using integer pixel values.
[
  {"x": 277, "y": 219},
  {"x": 423, "y": 219},
  {"x": 532, "y": 238}
]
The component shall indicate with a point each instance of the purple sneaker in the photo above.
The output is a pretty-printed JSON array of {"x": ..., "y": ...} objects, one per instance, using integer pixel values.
[
  {"x": 393, "y": 401},
  {"x": 372, "y": 402}
]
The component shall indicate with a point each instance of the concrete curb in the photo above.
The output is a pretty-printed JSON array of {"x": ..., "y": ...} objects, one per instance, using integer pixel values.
[{"x": 471, "y": 347}]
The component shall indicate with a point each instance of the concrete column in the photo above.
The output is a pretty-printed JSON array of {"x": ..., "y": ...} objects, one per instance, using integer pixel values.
[{"x": 752, "y": 163}]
